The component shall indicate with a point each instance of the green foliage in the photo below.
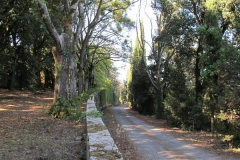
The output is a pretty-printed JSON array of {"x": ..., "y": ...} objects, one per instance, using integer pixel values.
[
  {"x": 106, "y": 98},
  {"x": 198, "y": 120},
  {"x": 27, "y": 53},
  {"x": 70, "y": 108},
  {"x": 141, "y": 89},
  {"x": 140, "y": 94},
  {"x": 85, "y": 95},
  {"x": 67, "y": 109},
  {"x": 102, "y": 69},
  {"x": 197, "y": 50},
  {"x": 232, "y": 140},
  {"x": 179, "y": 101},
  {"x": 182, "y": 111},
  {"x": 93, "y": 113}
]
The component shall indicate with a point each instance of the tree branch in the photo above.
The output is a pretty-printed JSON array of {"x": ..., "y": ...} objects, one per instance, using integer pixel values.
[{"x": 48, "y": 23}]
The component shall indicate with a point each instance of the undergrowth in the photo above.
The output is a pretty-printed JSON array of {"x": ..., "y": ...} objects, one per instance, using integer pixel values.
[{"x": 70, "y": 108}]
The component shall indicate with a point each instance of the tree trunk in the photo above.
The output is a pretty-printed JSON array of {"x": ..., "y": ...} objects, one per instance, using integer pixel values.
[
  {"x": 73, "y": 82},
  {"x": 90, "y": 77},
  {"x": 81, "y": 67},
  {"x": 80, "y": 79},
  {"x": 212, "y": 124},
  {"x": 61, "y": 68},
  {"x": 56, "y": 83},
  {"x": 61, "y": 55},
  {"x": 160, "y": 106},
  {"x": 198, "y": 85},
  {"x": 10, "y": 83},
  {"x": 86, "y": 81}
]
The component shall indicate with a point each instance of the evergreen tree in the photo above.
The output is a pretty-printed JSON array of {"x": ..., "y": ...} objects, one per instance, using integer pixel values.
[
  {"x": 179, "y": 101},
  {"x": 140, "y": 92}
]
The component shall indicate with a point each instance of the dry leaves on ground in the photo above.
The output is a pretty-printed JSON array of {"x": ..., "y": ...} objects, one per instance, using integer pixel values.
[{"x": 28, "y": 133}]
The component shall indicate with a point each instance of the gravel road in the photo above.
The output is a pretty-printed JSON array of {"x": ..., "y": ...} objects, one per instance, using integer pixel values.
[{"x": 154, "y": 144}]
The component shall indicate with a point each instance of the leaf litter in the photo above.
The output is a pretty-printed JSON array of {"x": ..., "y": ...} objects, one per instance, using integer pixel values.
[{"x": 26, "y": 132}]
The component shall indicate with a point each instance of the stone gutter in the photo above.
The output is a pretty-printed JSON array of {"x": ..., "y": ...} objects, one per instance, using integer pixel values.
[{"x": 100, "y": 144}]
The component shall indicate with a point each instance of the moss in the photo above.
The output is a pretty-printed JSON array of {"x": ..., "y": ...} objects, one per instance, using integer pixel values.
[
  {"x": 95, "y": 128},
  {"x": 106, "y": 154}
]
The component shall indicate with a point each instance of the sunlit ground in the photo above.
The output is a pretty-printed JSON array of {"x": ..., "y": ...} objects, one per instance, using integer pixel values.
[{"x": 28, "y": 133}]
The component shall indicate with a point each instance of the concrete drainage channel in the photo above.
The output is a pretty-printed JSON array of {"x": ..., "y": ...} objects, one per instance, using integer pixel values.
[{"x": 100, "y": 144}]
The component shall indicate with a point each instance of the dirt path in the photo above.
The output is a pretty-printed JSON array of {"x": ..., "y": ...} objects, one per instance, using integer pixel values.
[
  {"x": 150, "y": 142},
  {"x": 27, "y": 133}
]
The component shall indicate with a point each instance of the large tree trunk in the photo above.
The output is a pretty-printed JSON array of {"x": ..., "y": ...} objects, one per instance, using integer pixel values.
[
  {"x": 56, "y": 83},
  {"x": 72, "y": 70},
  {"x": 61, "y": 68},
  {"x": 64, "y": 55}
]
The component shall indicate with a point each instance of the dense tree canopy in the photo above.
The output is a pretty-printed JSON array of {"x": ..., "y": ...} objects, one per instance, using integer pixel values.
[
  {"x": 25, "y": 47},
  {"x": 65, "y": 45},
  {"x": 193, "y": 65}
]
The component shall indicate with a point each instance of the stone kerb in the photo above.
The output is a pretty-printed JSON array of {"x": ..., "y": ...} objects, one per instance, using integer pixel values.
[{"x": 100, "y": 144}]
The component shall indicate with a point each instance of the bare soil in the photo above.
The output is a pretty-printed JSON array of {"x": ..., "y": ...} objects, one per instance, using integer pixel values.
[
  {"x": 28, "y": 133},
  {"x": 200, "y": 139}
]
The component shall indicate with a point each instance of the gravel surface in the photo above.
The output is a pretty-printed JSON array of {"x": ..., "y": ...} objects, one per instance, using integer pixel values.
[{"x": 153, "y": 143}]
